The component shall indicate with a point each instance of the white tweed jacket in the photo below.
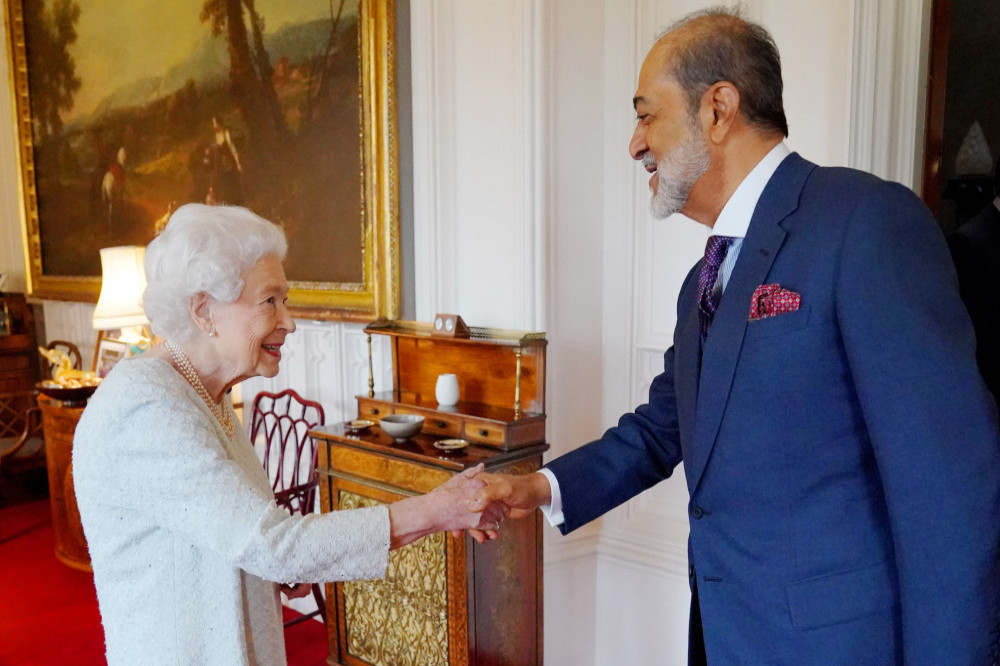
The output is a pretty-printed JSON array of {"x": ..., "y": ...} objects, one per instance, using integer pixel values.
[{"x": 183, "y": 531}]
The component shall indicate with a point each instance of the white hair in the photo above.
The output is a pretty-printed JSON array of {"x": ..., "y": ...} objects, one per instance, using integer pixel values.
[{"x": 203, "y": 249}]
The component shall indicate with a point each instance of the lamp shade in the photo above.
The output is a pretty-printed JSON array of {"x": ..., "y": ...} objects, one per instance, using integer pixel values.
[{"x": 122, "y": 284}]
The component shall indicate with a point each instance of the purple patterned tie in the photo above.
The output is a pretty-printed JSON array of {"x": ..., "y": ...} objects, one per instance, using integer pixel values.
[{"x": 708, "y": 301}]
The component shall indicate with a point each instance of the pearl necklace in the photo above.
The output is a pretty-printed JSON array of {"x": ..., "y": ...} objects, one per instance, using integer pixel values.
[{"x": 222, "y": 415}]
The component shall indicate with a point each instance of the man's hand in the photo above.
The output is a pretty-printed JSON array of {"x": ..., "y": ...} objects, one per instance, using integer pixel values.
[
  {"x": 446, "y": 508},
  {"x": 520, "y": 494},
  {"x": 523, "y": 494}
]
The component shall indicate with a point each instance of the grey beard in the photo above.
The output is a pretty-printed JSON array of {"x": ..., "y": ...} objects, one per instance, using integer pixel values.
[{"x": 677, "y": 172}]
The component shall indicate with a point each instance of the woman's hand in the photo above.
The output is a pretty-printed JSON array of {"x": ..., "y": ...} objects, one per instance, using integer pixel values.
[
  {"x": 519, "y": 496},
  {"x": 446, "y": 509},
  {"x": 482, "y": 526},
  {"x": 296, "y": 591}
]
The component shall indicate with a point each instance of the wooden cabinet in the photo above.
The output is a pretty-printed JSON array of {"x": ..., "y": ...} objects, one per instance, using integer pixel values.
[
  {"x": 444, "y": 600},
  {"x": 59, "y": 422},
  {"x": 18, "y": 348}
]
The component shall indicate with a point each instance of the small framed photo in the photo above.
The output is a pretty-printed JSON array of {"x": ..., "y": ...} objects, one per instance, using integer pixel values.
[{"x": 109, "y": 351}]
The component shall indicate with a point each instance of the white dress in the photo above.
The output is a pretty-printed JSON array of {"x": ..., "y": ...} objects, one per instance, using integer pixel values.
[{"x": 183, "y": 531}]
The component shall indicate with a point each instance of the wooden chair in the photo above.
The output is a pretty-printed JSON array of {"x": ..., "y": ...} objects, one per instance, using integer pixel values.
[
  {"x": 22, "y": 445},
  {"x": 70, "y": 350},
  {"x": 279, "y": 425}
]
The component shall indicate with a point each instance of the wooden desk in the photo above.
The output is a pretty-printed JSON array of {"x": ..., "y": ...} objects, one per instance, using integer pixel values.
[
  {"x": 59, "y": 422},
  {"x": 444, "y": 600}
]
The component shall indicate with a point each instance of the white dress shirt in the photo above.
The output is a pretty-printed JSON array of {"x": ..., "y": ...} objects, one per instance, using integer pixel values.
[{"x": 734, "y": 220}]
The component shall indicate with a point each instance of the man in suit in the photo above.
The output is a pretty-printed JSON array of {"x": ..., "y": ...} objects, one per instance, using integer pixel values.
[
  {"x": 839, "y": 446},
  {"x": 975, "y": 247}
]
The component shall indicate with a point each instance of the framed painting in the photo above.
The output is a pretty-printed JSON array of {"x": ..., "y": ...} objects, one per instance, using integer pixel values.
[
  {"x": 126, "y": 110},
  {"x": 108, "y": 352}
]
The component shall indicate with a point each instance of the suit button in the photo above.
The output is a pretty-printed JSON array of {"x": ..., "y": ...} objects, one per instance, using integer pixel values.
[
  {"x": 697, "y": 512},
  {"x": 690, "y": 571}
]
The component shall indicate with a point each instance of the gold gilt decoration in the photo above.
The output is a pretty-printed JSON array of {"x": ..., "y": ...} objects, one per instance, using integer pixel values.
[{"x": 402, "y": 620}]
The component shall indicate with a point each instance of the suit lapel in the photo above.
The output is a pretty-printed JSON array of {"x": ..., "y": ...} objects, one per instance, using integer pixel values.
[
  {"x": 687, "y": 344},
  {"x": 722, "y": 348}
]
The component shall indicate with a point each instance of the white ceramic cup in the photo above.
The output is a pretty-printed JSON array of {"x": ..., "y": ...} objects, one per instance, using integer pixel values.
[{"x": 446, "y": 390}]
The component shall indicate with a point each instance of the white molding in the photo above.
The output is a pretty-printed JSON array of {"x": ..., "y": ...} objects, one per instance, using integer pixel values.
[
  {"x": 432, "y": 66},
  {"x": 888, "y": 88},
  {"x": 621, "y": 209},
  {"x": 649, "y": 555},
  {"x": 436, "y": 103},
  {"x": 65, "y": 320},
  {"x": 539, "y": 207},
  {"x": 560, "y": 550},
  {"x": 531, "y": 100}
]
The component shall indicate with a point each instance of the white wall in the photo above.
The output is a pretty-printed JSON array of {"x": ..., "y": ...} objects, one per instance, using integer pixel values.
[{"x": 528, "y": 213}]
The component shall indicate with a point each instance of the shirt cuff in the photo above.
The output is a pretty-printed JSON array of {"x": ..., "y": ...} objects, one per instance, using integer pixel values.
[{"x": 553, "y": 510}]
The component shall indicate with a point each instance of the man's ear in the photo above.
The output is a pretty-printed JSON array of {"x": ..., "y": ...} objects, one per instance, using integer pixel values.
[
  {"x": 200, "y": 307},
  {"x": 722, "y": 102}
]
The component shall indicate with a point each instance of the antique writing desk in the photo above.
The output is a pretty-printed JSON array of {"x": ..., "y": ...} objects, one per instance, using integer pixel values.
[{"x": 444, "y": 600}]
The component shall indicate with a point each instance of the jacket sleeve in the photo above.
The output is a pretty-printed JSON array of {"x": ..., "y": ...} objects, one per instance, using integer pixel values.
[
  {"x": 642, "y": 450},
  {"x": 931, "y": 422}
]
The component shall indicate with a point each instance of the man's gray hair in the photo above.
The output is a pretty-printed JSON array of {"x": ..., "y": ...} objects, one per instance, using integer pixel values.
[
  {"x": 728, "y": 47},
  {"x": 203, "y": 249}
]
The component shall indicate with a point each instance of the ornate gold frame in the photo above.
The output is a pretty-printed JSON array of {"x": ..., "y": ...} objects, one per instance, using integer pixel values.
[{"x": 377, "y": 295}]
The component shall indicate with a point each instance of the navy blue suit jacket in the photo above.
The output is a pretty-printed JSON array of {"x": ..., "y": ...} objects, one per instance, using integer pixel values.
[{"x": 842, "y": 460}]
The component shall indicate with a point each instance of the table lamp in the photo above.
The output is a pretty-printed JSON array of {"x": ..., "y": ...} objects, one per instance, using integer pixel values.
[{"x": 120, "y": 303}]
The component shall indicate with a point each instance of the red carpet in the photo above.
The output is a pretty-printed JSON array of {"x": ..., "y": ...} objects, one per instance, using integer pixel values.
[{"x": 48, "y": 611}]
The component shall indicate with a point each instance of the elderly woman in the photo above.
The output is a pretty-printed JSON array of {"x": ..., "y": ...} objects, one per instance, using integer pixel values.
[{"x": 183, "y": 530}]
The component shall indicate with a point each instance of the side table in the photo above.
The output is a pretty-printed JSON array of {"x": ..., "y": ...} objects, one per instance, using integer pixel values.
[
  {"x": 444, "y": 601},
  {"x": 59, "y": 423}
]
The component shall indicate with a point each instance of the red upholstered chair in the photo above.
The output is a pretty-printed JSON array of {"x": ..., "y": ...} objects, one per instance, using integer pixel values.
[{"x": 279, "y": 425}]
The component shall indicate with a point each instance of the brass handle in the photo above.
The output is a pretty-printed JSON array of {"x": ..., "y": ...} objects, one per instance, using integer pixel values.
[
  {"x": 440, "y": 424},
  {"x": 374, "y": 410},
  {"x": 483, "y": 433}
]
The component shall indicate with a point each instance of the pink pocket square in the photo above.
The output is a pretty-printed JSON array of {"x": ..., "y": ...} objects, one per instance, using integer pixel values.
[{"x": 770, "y": 300}]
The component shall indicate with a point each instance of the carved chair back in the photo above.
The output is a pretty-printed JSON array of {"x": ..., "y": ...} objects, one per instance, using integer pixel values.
[
  {"x": 21, "y": 442},
  {"x": 279, "y": 426},
  {"x": 70, "y": 349}
]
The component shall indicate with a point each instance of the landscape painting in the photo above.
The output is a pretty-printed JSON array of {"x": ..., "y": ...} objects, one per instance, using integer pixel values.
[{"x": 127, "y": 110}]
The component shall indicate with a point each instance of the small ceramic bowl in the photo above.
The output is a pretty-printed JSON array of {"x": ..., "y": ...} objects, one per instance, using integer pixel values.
[{"x": 401, "y": 427}]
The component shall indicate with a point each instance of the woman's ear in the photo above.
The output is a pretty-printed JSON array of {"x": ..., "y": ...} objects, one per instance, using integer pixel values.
[{"x": 200, "y": 307}]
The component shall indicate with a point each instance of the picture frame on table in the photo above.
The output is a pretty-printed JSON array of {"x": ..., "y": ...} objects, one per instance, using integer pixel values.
[
  {"x": 107, "y": 354},
  {"x": 292, "y": 115}
]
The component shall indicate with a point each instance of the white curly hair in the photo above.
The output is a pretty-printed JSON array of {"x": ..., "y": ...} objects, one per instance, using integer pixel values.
[{"x": 203, "y": 249}]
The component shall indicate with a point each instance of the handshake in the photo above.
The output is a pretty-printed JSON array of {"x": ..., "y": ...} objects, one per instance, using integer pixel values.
[{"x": 474, "y": 501}]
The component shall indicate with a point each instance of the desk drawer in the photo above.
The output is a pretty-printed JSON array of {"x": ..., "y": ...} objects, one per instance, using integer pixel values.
[
  {"x": 370, "y": 409},
  {"x": 447, "y": 426},
  {"x": 485, "y": 433},
  {"x": 389, "y": 471}
]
